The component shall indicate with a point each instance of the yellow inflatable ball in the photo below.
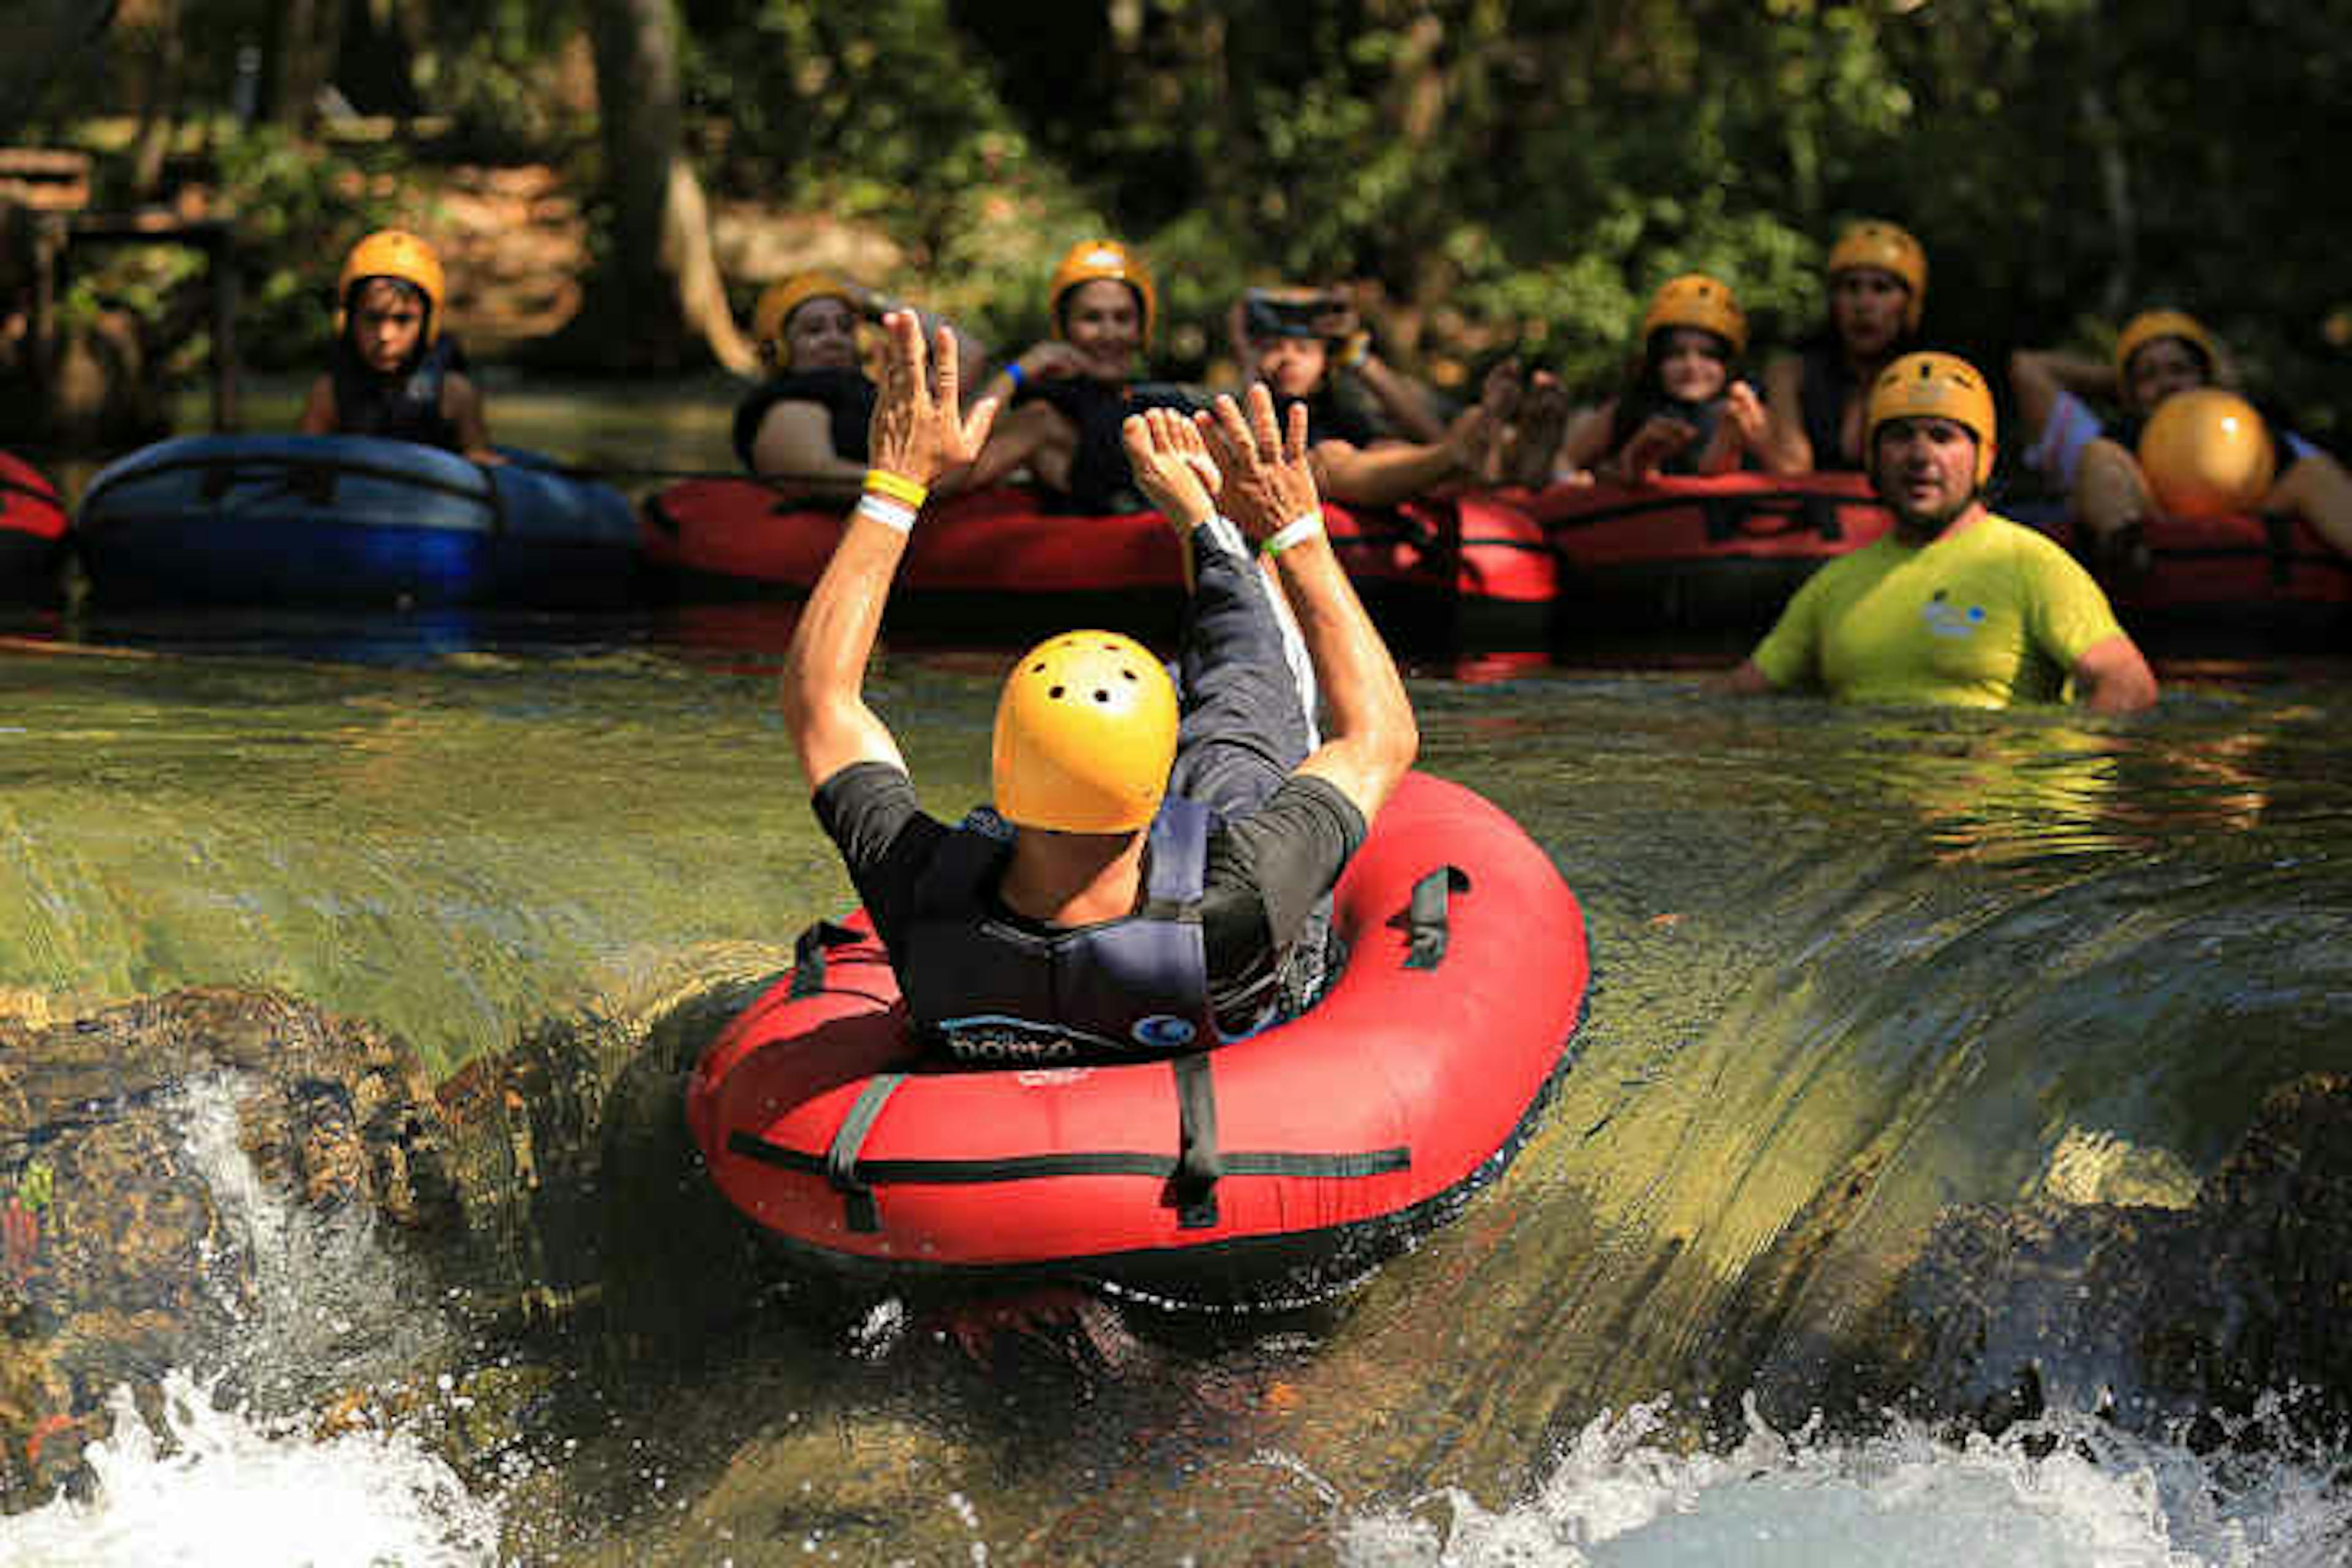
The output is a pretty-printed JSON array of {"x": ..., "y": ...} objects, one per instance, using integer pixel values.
[{"x": 2207, "y": 453}]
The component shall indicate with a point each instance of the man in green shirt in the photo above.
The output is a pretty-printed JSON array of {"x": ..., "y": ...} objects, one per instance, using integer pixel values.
[{"x": 1956, "y": 604}]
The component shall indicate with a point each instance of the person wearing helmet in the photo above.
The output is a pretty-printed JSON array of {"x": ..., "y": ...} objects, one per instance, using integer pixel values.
[
  {"x": 395, "y": 372},
  {"x": 2096, "y": 467},
  {"x": 1878, "y": 288},
  {"x": 1954, "y": 605},
  {"x": 1148, "y": 879},
  {"x": 806, "y": 422},
  {"x": 1067, "y": 397},
  {"x": 1292, "y": 339},
  {"x": 1685, "y": 409}
]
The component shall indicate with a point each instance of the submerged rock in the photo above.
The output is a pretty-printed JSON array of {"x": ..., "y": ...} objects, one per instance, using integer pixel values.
[
  {"x": 2158, "y": 1315},
  {"x": 239, "y": 1185}
]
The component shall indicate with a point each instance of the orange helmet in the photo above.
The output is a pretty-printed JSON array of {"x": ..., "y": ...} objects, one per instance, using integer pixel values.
[
  {"x": 2149, "y": 325},
  {"x": 1086, "y": 732},
  {"x": 1889, "y": 248},
  {"x": 781, "y": 298},
  {"x": 1933, "y": 387},
  {"x": 394, "y": 253},
  {"x": 1104, "y": 259},
  {"x": 1694, "y": 299},
  {"x": 2207, "y": 453}
]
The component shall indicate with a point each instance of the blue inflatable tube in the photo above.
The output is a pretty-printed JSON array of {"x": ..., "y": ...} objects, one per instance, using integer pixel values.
[{"x": 350, "y": 522}]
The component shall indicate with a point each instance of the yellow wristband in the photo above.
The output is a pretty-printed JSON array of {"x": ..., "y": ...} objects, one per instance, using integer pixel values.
[{"x": 898, "y": 487}]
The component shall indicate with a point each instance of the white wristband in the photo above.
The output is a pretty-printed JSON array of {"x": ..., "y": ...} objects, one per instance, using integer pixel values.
[
  {"x": 891, "y": 514},
  {"x": 1306, "y": 525}
]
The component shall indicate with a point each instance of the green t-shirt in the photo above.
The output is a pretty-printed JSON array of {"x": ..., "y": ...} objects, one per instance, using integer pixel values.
[{"x": 1993, "y": 614}]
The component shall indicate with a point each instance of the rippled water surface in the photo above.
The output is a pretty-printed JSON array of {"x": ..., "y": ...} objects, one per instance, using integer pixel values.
[{"x": 1850, "y": 969}]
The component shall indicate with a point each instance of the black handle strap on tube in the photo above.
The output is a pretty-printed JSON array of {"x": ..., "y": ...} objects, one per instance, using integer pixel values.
[
  {"x": 809, "y": 950},
  {"x": 1425, "y": 922},
  {"x": 1198, "y": 1164},
  {"x": 841, "y": 1158}
]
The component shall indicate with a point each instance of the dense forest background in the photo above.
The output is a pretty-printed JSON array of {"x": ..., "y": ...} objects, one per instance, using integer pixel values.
[{"x": 1498, "y": 175}]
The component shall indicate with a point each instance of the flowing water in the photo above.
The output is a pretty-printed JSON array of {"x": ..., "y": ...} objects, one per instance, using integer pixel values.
[{"x": 1850, "y": 969}]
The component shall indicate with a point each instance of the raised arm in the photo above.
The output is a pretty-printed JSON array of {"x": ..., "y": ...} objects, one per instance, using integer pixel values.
[
  {"x": 1269, "y": 492},
  {"x": 1790, "y": 449},
  {"x": 2038, "y": 375},
  {"x": 917, "y": 430}
]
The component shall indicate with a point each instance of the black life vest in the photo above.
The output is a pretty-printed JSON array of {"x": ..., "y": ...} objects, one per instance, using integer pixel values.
[
  {"x": 990, "y": 988},
  {"x": 847, "y": 395},
  {"x": 404, "y": 406},
  {"x": 1100, "y": 481}
]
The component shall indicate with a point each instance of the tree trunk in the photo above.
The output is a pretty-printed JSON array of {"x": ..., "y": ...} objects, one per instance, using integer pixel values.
[
  {"x": 306, "y": 35},
  {"x": 160, "y": 74},
  {"x": 659, "y": 287}
]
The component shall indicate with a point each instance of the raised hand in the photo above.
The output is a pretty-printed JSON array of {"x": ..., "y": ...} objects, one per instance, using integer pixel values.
[
  {"x": 918, "y": 430},
  {"x": 1269, "y": 482},
  {"x": 1173, "y": 465}
]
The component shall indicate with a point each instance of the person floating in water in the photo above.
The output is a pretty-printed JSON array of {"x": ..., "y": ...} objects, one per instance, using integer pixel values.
[
  {"x": 1293, "y": 340},
  {"x": 1954, "y": 605},
  {"x": 1066, "y": 398},
  {"x": 806, "y": 425},
  {"x": 1685, "y": 408},
  {"x": 1149, "y": 879},
  {"x": 2098, "y": 467},
  {"x": 1878, "y": 289},
  {"x": 395, "y": 372}
]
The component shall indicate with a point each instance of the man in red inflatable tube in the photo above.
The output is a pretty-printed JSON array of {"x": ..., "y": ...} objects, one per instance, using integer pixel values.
[
  {"x": 1954, "y": 605},
  {"x": 1150, "y": 879}
]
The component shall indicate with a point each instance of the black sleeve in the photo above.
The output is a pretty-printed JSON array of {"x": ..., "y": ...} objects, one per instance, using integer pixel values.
[
  {"x": 1267, "y": 872},
  {"x": 870, "y": 812}
]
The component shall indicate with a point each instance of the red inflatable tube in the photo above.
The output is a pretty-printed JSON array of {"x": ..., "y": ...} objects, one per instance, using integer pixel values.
[
  {"x": 1266, "y": 1172},
  {"x": 32, "y": 530}
]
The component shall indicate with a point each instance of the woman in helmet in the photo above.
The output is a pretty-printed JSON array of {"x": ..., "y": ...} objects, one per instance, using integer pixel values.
[
  {"x": 1878, "y": 287},
  {"x": 1685, "y": 408},
  {"x": 1292, "y": 339},
  {"x": 806, "y": 422},
  {"x": 1066, "y": 398},
  {"x": 2096, "y": 467},
  {"x": 1954, "y": 605},
  {"x": 1147, "y": 880},
  {"x": 395, "y": 372}
]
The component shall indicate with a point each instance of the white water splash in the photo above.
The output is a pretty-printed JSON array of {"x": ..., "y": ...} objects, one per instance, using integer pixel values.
[
  {"x": 317, "y": 1305},
  {"x": 1618, "y": 1499},
  {"x": 216, "y": 1489}
]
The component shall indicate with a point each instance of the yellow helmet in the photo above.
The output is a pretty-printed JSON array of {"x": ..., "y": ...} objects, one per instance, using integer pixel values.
[
  {"x": 1104, "y": 259},
  {"x": 1889, "y": 248},
  {"x": 1694, "y": 299},
  {"x": 1933, "y": 387},
  {"x": 2149, "y": 325},
  {"x": 2207, "y": 453},
  {"x": 1086, "y": 732},
  {"x": 781, "y": 298},
  {"x": 394, "y": 253}
]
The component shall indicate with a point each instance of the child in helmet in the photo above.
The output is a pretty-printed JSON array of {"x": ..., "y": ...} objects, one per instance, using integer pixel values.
[
  {"x": 395, "y": 372},
  {"x": 2096, "y": 467},
  {"x": 1686, "y": 409},
  {"x": 1817, "y": 396},
  {"x": 807, "y": 423},
  {"x": 1067, "y": 397},
  {"x": 1290, "y": 338}
]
